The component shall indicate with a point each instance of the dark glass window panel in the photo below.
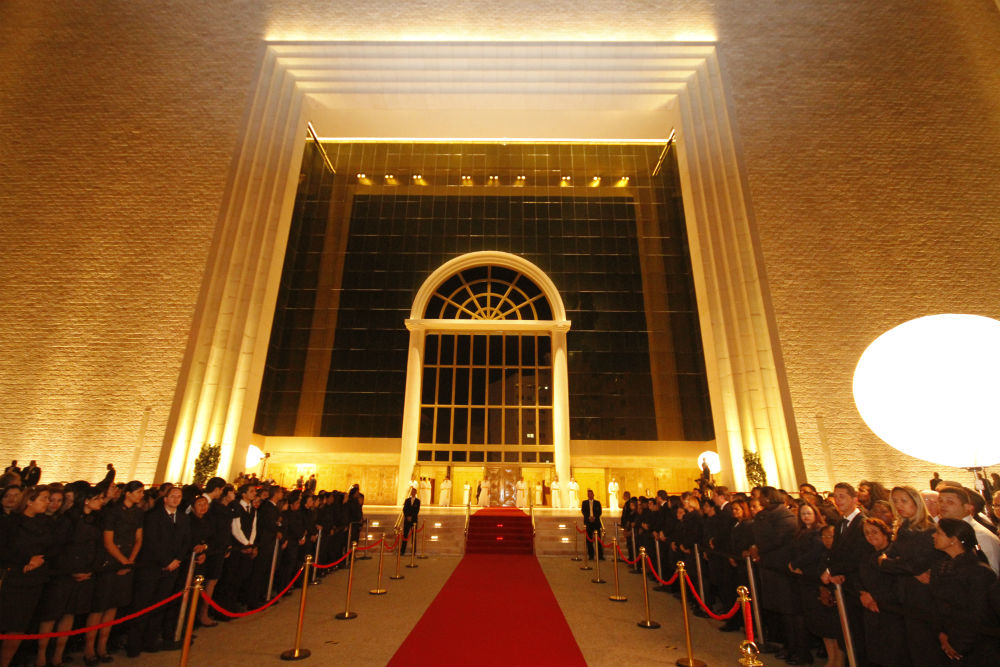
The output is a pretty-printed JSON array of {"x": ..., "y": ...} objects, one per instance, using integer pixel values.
[
  {"x": 511, "y": 430},
  {"x": 447, "y": 349},
  {"x": 423, "y": 455},
  {"x": 479, "y": 350},
  {"x": 462, "y": 350},
  {"x": 529, "y": 457},
  {"x": 431, "y": 349},
  {"x": 529, "y": 433},
  {"x": 544, "y": 436},
  {"x": 495, "y": 387},
  {"x": 510, "y": 457},
  {"x": 494, "y": 427},
  {"x": 440, "y": 455},
  {"x": 443, "y": 433},
  {"x": 444, "y": 385},
  {"x": 493, "y": 457},
  {"x": 479, "y": 386},
  {"x": 429, "y": 384},
  {"x": 462, "y": 386},
  {"x": 476, "y": 457},
  {"x": 460, "y": 433},
  {"x": 545, "y": 457},
  {"x": 495, "y": 351},
  {"x": 528, "y": 350},
  {"x": 477, "y": 417},
  {"x": 511, "y": 349},
  {"x": 426, "y": 425},
  {"x": 459, "y": 457},
  {"x": 529, "y": 387},
  {"x": 543, "y": 381}
]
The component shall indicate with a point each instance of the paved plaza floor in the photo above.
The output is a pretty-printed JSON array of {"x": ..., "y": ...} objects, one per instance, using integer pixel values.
[{"x": 606, "y": 631}]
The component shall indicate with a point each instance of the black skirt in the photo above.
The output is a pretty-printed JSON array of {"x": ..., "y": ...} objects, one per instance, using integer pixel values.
[
  {"x": 19, "y": 596},
  {"x": 113, "y": 590},
  {"x": 65, "y": 595}
]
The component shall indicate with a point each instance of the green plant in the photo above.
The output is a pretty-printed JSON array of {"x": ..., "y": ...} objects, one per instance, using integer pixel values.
[
  {"x": 207, "y": 463},
  {"x": 755, "y": 470}
]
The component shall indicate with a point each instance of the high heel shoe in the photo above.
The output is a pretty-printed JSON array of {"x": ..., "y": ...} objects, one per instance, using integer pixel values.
[{"x": 90, "y": 662}]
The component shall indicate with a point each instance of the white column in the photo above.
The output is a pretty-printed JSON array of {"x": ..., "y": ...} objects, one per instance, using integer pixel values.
[
  {"x": 411, "y": 408},
  {"x": 560, "y": 406}
]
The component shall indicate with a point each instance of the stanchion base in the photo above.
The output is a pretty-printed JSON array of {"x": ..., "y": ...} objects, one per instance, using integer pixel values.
[
  {"x": 618, "y": 598},
  {"x": 693, "y": 662},
  {"x": 419, "y": 557},
  {"x": 576, "y": 559},
  {"x": 317, "y": 582},
  {"x": 586, "y": 567},
  {"x": 346, "y": 615},
  {"x": 411, "y": 565},
  {"x": 397, "y": 577},
  {"x": 296, "y": 654},
  {"x": 649, "y": 625},
  {"x": 378, "y": 591},
  {"x": 598, "y": 581}
]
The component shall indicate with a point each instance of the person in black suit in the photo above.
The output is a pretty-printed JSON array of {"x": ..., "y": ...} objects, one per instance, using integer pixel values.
[
  {"x": 163, "y": 560},
  {"x": 411, "y": 511},
  {"x": 850, "y": 548},
  {"x": 268, "y": 531},
  {"x": 591, "y": 510},
  {"x": 31, "y": 474},
  {"x": 233, "y": 591}
]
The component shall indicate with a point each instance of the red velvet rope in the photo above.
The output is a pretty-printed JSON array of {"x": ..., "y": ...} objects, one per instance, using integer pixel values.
[
  {"x": 336, "y": 562},
  {"x": 80, "y": 631},
  {"x": 372, "y": 546},
  {"x": 747, "y": 621},
  {"x": 625, "y": 560},
  {"x": 239, "y": 614},
  {"x": 662, "y": 582},
  {"x": 580, "y": 530},
  {"x": 729, "y": 614}
]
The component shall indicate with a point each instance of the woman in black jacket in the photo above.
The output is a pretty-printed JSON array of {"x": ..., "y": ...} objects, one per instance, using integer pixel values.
[
  {"x": 885, "y": 633},
  {"x": 961, "y": 586},
  {"x": 806, "y": 564},
  {"x": 24, "y": 547},
  {"x": 911, "y": 554},
  {"x": 774, "y": 528},
  {"x": 71, "y": 589}
]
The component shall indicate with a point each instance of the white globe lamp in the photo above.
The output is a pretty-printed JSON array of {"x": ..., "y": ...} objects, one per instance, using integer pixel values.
[
  {"x": 930, "y": 388},
  {"x": 254, "y": 457},
  {"x": 713, "y": 461}
]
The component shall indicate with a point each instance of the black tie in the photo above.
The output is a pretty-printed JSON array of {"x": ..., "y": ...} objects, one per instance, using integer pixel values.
[
  {"x": 844, "y": 523},
  {"x": 173, "y": 518}
]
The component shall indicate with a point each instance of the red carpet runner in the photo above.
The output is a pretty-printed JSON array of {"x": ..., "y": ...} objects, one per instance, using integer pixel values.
[
  {"x": 494, "y": 610},
  {"x": 500, "y": 530}
]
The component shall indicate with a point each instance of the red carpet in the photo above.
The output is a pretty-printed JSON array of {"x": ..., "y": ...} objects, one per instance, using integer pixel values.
[
  {"x": 494, "y": 610},
  {"x": 500, "y": 530}
]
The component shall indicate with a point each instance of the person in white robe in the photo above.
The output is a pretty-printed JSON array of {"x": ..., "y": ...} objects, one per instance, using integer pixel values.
[
  {"x": 613, "y": 506},
  {"x": 574, "y": 492},
  {"x": 554, "y": 488},
  {"x": 484, "y": 494},
  {"x": 425, "y": 492},
  {"x": 539, "y": 495},
  {"x": 445, "y": 498},
  {"x": 466, "y": 494},
  {"x": 520, "y": 493}
]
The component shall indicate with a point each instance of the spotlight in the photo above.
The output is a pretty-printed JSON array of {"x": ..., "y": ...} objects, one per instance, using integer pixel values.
[
  {"x": 467, "y": 180},
  {"x": 622, "y": 182},
  {"x": 565, "y": 182},
  {"x": 390, "y": 179},
  {"x": 595, "y": 181},
  {"x": 363, "y": 179},
  {"x": 519, "y": 182}
]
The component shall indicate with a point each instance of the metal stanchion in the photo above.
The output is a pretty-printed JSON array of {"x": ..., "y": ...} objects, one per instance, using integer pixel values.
[
  {"x": 690, "y": 660},
  {"x": 617, "y": 596},
  {"x": 634, "y": 553},
  {"x": 749, "y": 653},
  {"x": 319, "y": 540},
  {"x": 364, "y": 554},
  {"x": 189, "y": 626},
  {"x": 348, "y": 614},
  {"x": 659, "y": 567},
  {"x": 651, "y": 625},
  {"x": 586, "y": 560},
  {"x": 299, "y": 653},
  {"x": 576, "y": 545},
  {"x": 698, "y": 611},
  {"x": 179, "y": 629},
  {"x": 423, "y": 541},
  {"x": 413, "y": 545},
  {"x": 762, "y": 642},
  {"x": 845, "y": 626},
  {"x": 274, "y": 567},
  {"x": 399, "y": 548},
  {"x": 597, "y": 576},
  {"x": 378, "y": 590}
]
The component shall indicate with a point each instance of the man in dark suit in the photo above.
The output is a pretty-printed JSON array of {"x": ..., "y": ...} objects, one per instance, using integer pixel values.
[
  {"x": 162, "y": 562},
  {"x": 31, "y": 474},
  {"x": 591, "y": 510},
  {"x": 843, "y": 562},
  {"x": 411, "y": 512},
  {"x": 267, "y": 537}
]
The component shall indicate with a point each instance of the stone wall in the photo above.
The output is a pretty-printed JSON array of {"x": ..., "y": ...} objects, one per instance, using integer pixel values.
[{"x": 867, "y": 130}]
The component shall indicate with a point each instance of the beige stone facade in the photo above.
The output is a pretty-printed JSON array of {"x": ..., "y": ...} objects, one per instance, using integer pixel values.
[{"x": 866, "y": 181}]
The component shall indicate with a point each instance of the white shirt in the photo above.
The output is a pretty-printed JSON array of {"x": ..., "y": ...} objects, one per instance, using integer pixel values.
[
  {"x": 238, "y": 529},
  {"x": 988, "y": 542}
]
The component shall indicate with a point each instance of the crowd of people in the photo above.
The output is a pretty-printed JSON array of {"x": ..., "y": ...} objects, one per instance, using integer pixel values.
[
  {"x": 83, "y": 554},
  {"x": 916, "y": 571}
]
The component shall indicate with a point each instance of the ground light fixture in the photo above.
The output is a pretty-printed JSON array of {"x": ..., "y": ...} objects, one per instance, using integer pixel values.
[{"x": 930, "y": 388}]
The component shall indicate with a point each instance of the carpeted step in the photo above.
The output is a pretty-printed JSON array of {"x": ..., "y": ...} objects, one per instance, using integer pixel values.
[{"x": 500, "y": 531}]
